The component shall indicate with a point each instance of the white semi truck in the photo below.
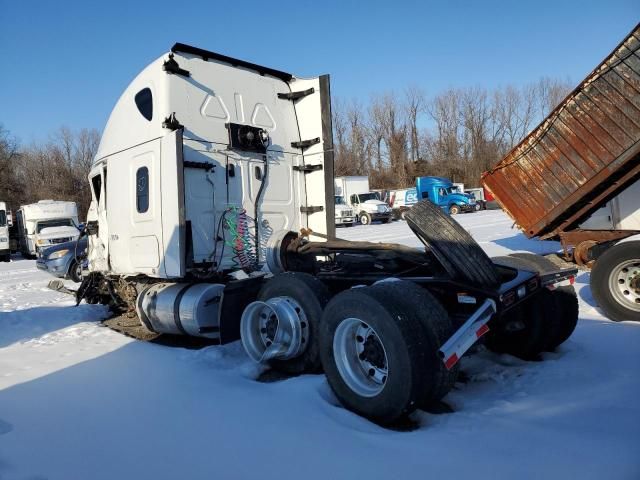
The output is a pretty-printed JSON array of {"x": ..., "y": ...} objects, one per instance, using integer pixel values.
[
  {"x": 5, "y": 249},
  {"x": 366, "y": 204},
  {"x": 46, "y": 223},
  {"x": 212, "y": 215}
]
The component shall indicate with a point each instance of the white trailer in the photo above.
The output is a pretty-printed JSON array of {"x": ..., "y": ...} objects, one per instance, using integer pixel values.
[
  {"x": 366, "y": 204},
  {"x": 46, "y": 223},
  {"x": 5, "y": 249},
  {"x": 212, "y": 215}
]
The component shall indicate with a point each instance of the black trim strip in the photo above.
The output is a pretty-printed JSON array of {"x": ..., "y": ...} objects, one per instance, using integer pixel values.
[
  {"x": 207, "y": 55},
  {"x": 327, "y": 140}
]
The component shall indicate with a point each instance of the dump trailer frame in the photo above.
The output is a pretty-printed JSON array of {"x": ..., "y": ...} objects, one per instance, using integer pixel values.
[{"x": 585, "y": 154}]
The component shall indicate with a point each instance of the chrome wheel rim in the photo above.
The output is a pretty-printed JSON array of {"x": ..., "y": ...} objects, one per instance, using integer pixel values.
[
  {"x": 360, "y": 357},
  {"x": 624, "y": 284},
  {"x": 277, "y": 328}
]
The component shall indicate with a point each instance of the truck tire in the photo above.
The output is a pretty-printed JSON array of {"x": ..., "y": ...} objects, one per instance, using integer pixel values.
[
  {"x": 311, "y": 295},
  {"x": 438, "y": 328},
  {"x": 615, "y": 281},
  {"x": 374, "y": 354},
  {"x": 75, "y": 272},
  {"x": 365, "y": 218},
  {"x": 454, "y": 209},
  {"x": 6, "y": 258},
  {"x": 567, "y": 311},
  {"x": 452, "y": 245}
]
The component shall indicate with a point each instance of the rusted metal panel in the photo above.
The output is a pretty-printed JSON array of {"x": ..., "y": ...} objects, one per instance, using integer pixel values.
[{"x": 585, "y": 152}]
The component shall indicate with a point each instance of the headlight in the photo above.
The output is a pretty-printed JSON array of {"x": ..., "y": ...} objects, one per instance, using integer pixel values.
[
  {"x": 41, "y": 242},
  {"x": 58, "y": 254}
]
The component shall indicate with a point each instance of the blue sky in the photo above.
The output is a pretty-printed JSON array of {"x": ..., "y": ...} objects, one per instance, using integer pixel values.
[{"x": 66, "y": 63}]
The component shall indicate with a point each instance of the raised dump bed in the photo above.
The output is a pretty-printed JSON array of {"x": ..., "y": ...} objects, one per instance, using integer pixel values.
[{"x": 583, "y": 154}]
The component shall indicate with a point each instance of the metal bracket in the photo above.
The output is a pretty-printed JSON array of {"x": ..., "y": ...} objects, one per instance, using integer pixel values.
[
  {"x": 171, "y": 66},
  {"x": 310, "y": 210},
  {"x": 296, "y": 95},
  {"x": 202, "y": 165},
  {"x": 307, "y": 168},
  {"x": 305, "y": 143},
  {"x": 171, "y": 122},
  {"x": 467, "y": 334}
]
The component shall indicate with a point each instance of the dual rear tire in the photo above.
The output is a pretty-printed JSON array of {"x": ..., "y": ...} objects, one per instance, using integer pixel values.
[
  {"x": 539, "y": 325},
  {"x": 379, "y": 350},
  {"x": 378, "y": 345}
]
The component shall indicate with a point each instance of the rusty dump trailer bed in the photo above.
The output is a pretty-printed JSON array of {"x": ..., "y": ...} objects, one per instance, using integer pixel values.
[{"x": 584, "y": 153}]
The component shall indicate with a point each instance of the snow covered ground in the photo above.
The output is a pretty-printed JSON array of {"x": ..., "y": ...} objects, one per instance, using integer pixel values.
[{"x": 79, "y": 401}]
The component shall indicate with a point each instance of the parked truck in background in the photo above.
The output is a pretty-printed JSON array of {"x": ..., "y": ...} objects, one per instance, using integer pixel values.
[
  {"x": 401, "y": 201},
  {"x": 5, "y": 248},
  {"x": 343, "y": 213},
  {"x": 46, "y": 223},
  {"x": 367, "y": 205},
  {"x": 443, "y": 193},
  {"x": 576, "y": 178}
]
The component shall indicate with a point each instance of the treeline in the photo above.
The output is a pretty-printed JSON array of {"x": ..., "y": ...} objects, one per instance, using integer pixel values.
[
  {"x": 458, "y": 133},
  {"x": 55, "y": 169}
]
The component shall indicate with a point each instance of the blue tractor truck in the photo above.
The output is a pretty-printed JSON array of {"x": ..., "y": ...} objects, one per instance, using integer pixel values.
[{"x": 443, "y": 193}]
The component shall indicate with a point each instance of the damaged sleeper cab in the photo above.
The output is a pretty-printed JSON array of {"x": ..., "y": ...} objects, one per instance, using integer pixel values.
[{"x": 212, "y": 215}]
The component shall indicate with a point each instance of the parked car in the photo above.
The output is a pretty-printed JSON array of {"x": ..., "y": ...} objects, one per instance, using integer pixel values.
[{"x": 61, "y": 261}]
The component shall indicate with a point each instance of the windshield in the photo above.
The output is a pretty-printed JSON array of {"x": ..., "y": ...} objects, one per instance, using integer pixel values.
[
  {"x": 3, "y": 218},
  {"x": 58, "y": 222},
  {"x": 451, "y": 190},
  {"x": 339, "y": 200},
  {"x": 363, "y": 197}
]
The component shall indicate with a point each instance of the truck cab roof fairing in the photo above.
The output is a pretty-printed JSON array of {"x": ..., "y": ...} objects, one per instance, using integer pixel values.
[{"x": 127, "y": 126}]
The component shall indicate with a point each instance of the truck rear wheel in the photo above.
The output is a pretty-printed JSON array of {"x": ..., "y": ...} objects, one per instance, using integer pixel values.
[
  {"x": 541, "y": 324},
  {"x": 615, "y": 281},
  {"x": 373, "y": 352},
  {"x": 452, "y": 245},
  {"x": 438, "y": 329},
  {"x": 567, "y": 311},
  {"x": 310, "y": 295}
]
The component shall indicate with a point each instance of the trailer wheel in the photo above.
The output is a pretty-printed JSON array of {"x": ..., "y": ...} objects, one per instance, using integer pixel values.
[
  {"x": 365, "y": 218},
  {"x": 567, "y": 311},
  {"x": 311, "y": 296},
  {"x": 454, "y": 209},
  {"x": 615, "y": 281},
  {"x": 373, "y": 352},
  {"x": 438, "y": 329},
  {"x": 452, "y": 245}
]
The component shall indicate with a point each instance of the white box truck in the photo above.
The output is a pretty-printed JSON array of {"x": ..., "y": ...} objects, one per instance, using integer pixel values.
[
  {"x": 5, "y": 249},
  {"x": 366, "y": 204},
  {"x": 46, "y": 223},
  {"x": 212, "y": 216},
  {"x": 344, "y": 214}
]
